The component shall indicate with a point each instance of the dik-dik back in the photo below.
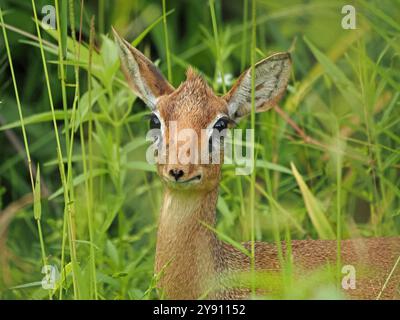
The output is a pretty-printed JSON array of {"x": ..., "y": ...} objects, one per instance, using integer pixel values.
[{"x": 369, "y": 268}]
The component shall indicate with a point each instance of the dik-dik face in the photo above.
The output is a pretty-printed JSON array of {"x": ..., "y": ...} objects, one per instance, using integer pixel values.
[{"x": 187, "y": 119}]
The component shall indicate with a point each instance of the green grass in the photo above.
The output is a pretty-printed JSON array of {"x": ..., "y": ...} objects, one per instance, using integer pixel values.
[
  {"x": 253, "y": 127},
  {"x": 331, "y": 172}
]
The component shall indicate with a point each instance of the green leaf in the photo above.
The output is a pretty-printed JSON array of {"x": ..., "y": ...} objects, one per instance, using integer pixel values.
[
  {"x": 78, "y": 180},
  {"x": 345, "y": 86},
  {"x": 64, "y": 26},
  {"x": 140, "y": 165},
  {"x": 140, "y": 37},
  {"x": 83, "y": 50},
  {"x": 37, "y": 118},
  {"x": 37, "y": 206},
  {"x": 134, "y": 144},
  {"x": 223, "y": 207},
  {"x": 112, "y": 252},
  {"x": 314, "y": 209},
  {"x": 114, "y": 205},
  {"x": 227, "y": 239},
  {"x": 84, "y": 106},
  {"x": 272, "y": 166},
  {"x": 109, "y": 54}
]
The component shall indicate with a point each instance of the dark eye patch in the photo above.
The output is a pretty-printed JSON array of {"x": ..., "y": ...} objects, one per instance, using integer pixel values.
[
  {"x": 154, "y": 122},
  {"x": 222, "y": 124}
]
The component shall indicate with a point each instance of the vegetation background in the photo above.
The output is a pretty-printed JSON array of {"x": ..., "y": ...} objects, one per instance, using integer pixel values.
[{"x": 327, "y": 157}]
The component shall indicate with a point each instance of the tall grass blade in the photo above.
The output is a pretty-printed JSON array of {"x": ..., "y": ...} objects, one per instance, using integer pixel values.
[{"x": 314, "y": 210}]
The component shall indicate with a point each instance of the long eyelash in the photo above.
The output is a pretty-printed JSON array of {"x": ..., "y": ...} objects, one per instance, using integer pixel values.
[{"x": 228, "y": 120}]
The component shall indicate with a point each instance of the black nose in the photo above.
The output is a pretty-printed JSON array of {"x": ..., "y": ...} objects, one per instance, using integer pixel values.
[{"x": 176, "y": 173}]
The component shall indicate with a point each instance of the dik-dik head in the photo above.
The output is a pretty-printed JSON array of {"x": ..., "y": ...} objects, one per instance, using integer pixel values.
[{"x": 191, "y": 114}]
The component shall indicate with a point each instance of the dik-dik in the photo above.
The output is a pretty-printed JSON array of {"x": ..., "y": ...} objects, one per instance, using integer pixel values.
[{"x": 190, "y": 259}]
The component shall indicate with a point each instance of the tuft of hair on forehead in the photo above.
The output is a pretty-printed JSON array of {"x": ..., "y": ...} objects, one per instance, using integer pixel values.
[
  {"x": 192, "y": 74},
  {"x": 192, "y": 96},
  {"x": 194, "y": 83}
]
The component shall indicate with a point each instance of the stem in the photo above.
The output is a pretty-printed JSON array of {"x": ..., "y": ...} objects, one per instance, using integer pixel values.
[
  {"x": 62, "y": 75},
  {"x": 66, "y": 125},
  {"x": 21, "y": 118},
  {"x": 338, "y": 215},
  {"x": 253, "y": 174},
  {"x": 42, "y": 248},
  {"x": 101, "y": 16},
  {"x": 166, "y": 42},
  {"x": 217, "y": 47},
  {"x": 244, "y": 35},
  {"x": 90, "y": 208},
  {"x": 67, "y": 204}
]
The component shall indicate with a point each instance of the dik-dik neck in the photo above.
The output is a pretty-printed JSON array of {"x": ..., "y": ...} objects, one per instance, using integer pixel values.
[{"x": 187, "y": 251}]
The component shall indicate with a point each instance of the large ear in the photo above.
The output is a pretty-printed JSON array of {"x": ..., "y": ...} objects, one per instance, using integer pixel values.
[
  {"x": 142, "y": 75},
  {"x": 271, "y": 78}
]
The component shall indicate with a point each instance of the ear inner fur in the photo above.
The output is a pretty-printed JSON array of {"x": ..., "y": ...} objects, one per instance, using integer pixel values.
[
  {"x": 191, "y": 261},
  {"x": 272, "y": 75},
  {"x": 142, "y": 75}
]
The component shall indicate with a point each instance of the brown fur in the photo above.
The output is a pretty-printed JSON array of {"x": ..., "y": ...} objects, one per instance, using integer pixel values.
[
  {"x": 190, "y": 260},
  {"x": 192, "y": 105},
  {"x": 154, "y": 78}
]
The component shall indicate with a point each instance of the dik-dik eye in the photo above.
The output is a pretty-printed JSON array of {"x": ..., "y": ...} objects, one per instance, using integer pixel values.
[
  {"x": 216, "y": 140},
  {"x": 221, "y": 124},
  {"x": 155, "y": 123}
]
